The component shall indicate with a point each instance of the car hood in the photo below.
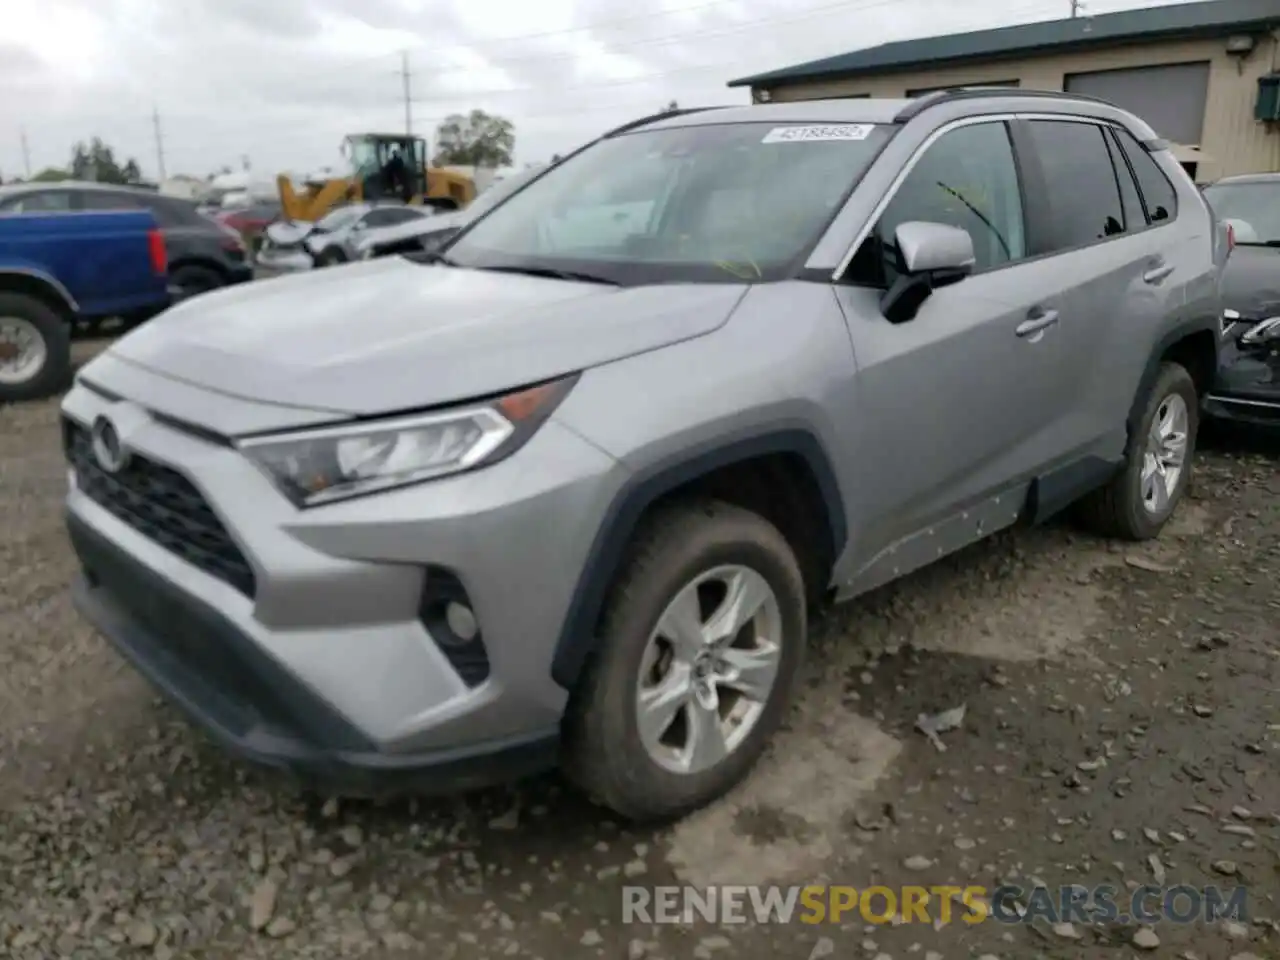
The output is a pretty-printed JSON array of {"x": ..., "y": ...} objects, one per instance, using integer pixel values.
[
  {"x": 287, "y": 233},
  {"x": 1251, "y": 281},
  {"x": 389, "y": 335}
]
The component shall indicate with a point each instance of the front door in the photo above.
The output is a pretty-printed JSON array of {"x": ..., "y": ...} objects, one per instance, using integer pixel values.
[{"x": 955, "y": 406}]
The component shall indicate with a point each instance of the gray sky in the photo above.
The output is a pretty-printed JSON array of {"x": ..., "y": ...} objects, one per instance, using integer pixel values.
[{"x": 282, "y": 80}]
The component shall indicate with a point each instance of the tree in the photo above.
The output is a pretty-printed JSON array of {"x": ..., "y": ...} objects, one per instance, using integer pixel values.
[
  {"x": 50, "y": 175},
  {"x": 477, "y": 139},
  {"x": 97, "y": 161},
  {"x": 670, "y": 107}
]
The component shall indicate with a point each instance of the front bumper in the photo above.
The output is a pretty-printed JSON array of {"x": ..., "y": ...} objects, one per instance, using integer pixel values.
[
  {"x": 320, "y": 658},
  {"x": 274, "y": 263},
  {"x": 1250, "y": 410},
  {"x": 201, "y": 662}
]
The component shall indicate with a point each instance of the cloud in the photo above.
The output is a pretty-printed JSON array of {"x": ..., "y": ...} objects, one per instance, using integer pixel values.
[{"x": 281, "y": 81}]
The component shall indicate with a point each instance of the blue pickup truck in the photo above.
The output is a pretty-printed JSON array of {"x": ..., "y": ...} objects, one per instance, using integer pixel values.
[{"x": 60, "y": 268}]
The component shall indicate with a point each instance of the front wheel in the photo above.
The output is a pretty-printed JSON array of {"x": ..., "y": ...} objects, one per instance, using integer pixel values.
[
  {"x": 1140, "y": 499},
  {"x": 35, "y": 349},
  {"x": 700, "y": 643}
]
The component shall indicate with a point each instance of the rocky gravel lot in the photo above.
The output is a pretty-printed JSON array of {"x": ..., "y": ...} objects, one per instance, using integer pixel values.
[{"x": 1122, "y": 726}]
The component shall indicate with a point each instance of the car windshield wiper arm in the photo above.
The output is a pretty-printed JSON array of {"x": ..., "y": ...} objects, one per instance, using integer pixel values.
[{"x": 554, "y": 274}]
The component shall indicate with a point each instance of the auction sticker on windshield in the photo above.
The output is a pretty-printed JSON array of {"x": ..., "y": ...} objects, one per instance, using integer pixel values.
[{"x": 808, "y": 134}]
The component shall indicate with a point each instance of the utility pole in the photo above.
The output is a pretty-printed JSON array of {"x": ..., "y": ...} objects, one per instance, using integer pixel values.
[
  {"x": 155, "y": 122},
  {"x": 405, "y": 78},
  {"x": 26, "y": 152},
  {"x": 1075, "y": 8}
]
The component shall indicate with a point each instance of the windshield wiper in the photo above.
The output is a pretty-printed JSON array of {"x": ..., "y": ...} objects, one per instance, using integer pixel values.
[{"x": 554, "y": 274}]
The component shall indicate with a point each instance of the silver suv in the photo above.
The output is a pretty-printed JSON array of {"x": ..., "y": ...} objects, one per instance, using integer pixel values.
[{"x": 569, "y": 494}]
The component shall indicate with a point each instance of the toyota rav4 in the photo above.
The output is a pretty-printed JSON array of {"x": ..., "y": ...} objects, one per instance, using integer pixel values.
[{"x": 569, "y": 493}]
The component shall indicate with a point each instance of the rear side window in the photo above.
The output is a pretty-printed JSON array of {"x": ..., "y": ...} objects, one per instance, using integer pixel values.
[
  {"x": 1158, "y": 194},
  {"x": 109, "y": 200},
  {"x": 1084, "y": 197},
  {"x": 1135, "y": 218}
]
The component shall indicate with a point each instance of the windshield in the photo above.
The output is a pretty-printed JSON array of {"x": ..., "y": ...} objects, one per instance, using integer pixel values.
[
  {"x": 339, "y": 219},
  {"x": 728, "y": 202},
  {"x": 1253, "y": 209},
  {"x": 497, "y": 192}
]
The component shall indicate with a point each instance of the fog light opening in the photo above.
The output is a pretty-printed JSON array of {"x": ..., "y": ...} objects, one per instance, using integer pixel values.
[{"x": 462, "y": 621}]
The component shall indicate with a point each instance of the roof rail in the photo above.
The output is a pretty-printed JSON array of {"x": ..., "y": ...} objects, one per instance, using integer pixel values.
[
  {"x": 921, "y": 104},
  {"x": 654, "y": 117}
]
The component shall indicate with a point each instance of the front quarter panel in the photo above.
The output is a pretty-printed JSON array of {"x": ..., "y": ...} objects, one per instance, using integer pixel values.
[{"x": 778, "y": 377}]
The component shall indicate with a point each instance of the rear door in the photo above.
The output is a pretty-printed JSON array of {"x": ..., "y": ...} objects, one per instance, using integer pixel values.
[
  {"x": 957, "y": 403},
  {"x": 1114, "y": 274}
]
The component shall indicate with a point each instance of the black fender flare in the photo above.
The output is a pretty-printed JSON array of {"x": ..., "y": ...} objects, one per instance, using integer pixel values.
[
  {"x": 577, "y": 635},
  {"x": 1152, "y": 369}
]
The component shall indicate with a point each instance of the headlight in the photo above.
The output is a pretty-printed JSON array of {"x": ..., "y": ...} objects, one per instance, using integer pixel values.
[{"x": 313, "y": 467}]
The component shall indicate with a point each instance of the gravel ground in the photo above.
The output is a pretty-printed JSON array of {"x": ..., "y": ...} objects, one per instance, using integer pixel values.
[{"x": 1121, "y": 725}]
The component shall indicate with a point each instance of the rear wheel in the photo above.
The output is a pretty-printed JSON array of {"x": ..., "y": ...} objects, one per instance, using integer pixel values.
[
  {"x": 700, "y": 643},
  {"x": 330, "y": 258},
  {"x": 35, "y": 348},
  {"x": 1139, "y": 500},
  {"x": 191, "y": 281}
]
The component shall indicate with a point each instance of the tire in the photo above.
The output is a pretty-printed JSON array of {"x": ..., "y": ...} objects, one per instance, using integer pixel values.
[
  {"x": 330, "y": 258},
  {"x": 1121, "y": 509},
  {"x": 194, "y": 280},
  {"x": 604, "y": 751},
  {"x": 21, "y": 315}
]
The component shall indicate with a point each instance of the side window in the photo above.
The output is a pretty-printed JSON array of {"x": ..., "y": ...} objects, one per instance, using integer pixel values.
[
  {"x": 1130, "y": 201},
  {"x": 1084, "y": 197},
  {"x": 383, "y": 217},
  {"x": 1157, "y": 192},
  {"x": 106, "y": 200},
  {"x": 966, "y": 179},
  {"x": 46, "y": 201}
]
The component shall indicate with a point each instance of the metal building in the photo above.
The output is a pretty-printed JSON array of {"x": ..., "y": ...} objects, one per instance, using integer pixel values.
[{"x": 1205, "y": 75}]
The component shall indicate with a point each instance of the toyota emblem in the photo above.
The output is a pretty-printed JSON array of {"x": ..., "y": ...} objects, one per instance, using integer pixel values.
[{"x": 107, "y": 448}]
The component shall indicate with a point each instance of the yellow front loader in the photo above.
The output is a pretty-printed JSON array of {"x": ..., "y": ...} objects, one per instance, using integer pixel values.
[{"x": 384, "y": 166}]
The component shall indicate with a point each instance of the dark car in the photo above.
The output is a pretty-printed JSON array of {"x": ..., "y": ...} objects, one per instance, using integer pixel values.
[
  {"x": 1248, "y": 384},
  {"x": 203, "y": 254}
]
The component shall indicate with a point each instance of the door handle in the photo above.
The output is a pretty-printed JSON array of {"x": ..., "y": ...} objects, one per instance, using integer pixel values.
[
  {"x": 1157, "y": 273},
  {"x": 1037, "y": 322}
]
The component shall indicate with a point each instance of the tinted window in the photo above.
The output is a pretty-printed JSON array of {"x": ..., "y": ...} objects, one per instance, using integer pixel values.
[
  {"x": 46, "y": 201},
  {"x": 1084, "y": 198},
  {"x": 966, "y": 179},
  {"x": 120, "y": 200},
  {"x": 388, "y": 216},
  {"x": 1134, "y": 217},
  {"x": 109, "y": 200},
  {"x": 1157, "y": 192}
]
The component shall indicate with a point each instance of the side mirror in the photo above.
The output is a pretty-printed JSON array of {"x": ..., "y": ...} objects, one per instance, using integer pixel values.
[{"x": 930, "y": 256}]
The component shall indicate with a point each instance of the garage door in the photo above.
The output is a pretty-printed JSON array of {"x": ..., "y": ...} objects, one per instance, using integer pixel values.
[{"x": 1171, "y": 98}]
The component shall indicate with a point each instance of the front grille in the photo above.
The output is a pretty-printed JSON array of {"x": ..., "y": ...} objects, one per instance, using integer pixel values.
[{"x": 162, "y": 505}]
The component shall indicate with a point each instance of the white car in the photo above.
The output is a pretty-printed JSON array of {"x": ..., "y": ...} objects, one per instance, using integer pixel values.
[
  {"x": 292, "y": 246},
  {"x": 426, "y": 235}
]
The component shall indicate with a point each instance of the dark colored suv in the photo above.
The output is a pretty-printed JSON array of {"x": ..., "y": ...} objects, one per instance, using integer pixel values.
[{"x": 203, "y": 254}]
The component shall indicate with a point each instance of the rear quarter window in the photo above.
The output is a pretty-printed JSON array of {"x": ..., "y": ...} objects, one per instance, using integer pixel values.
[{"x": 1158, "y": 194}]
